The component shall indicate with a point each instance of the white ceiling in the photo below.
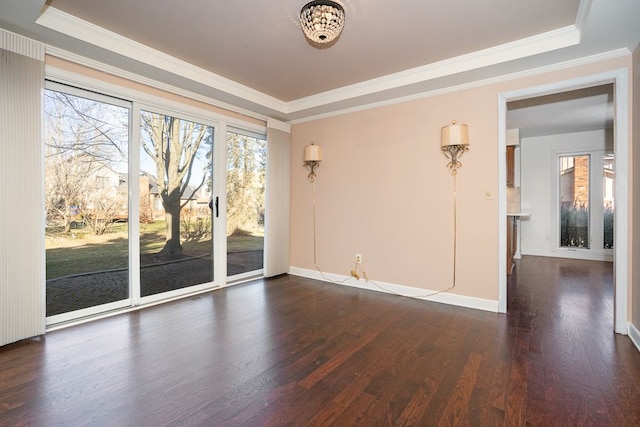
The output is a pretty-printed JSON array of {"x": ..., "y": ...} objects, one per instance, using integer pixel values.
[
  {"x": 567, "y": 112},
  {"x": 259, "y": 43},
  {"x": 251, "y": 54}
]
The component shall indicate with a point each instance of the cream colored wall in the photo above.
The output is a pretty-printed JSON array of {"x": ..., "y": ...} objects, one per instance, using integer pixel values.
[{"x": 383, "y": 189}]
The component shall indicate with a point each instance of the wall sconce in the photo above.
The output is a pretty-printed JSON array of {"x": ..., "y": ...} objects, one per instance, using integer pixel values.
[
  {"x": 454, "y": 142},
  {"x": 312, "y": 159}
]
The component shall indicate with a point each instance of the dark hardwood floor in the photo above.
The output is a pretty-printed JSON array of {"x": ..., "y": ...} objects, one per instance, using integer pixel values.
[{"x": 293, "y": 351}]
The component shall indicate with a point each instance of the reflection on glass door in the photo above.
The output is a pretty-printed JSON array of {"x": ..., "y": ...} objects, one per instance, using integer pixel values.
[
  {"x": 86, "y": 202},
  {"x": 176, "y": 204},
  {"x": 574, "y": 201},
  {"x": 246, "y": 177}
]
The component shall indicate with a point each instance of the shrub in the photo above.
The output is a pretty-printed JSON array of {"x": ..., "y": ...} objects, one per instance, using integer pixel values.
[
  {"x": 608, "y": 226},
  {"x": 574, "y": 225}
]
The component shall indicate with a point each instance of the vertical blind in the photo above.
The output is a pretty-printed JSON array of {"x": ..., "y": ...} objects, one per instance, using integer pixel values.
[
  {"x": 276, "y": 244},
  {"x": 22, "y": 268}
]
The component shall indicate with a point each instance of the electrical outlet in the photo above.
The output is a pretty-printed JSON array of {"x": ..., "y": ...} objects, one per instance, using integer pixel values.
[{"x": 358, "y": 258}]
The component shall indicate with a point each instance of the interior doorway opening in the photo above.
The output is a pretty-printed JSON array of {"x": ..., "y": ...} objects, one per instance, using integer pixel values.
[{"x": 618, "y": 81}]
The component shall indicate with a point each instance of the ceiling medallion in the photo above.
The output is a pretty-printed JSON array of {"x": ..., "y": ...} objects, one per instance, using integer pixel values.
[{"x": 322, "y": 21}]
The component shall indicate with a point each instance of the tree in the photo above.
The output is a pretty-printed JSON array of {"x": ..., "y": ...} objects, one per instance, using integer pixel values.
[
  {"x": 173, "y": 145},
  {"x": 246, "y": 162},
  {"x": 65, "y": 188},
  {"x": 102, "y": 206},
  {"x": 85, "y": 140}
]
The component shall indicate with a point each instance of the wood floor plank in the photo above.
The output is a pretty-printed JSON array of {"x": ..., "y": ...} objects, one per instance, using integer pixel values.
[
  {"x": 333, "y": 363},
  {"x": 457, "y": 410}
]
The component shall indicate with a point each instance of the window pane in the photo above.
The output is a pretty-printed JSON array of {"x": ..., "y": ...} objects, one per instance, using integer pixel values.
[
  {"x": 608, "y": 198},
  {"x": 246, "y": 176},
  {"x": 176, "y": 249},
  {"x": 86, "y": 200},
  {"x": 574, "y": 201}
]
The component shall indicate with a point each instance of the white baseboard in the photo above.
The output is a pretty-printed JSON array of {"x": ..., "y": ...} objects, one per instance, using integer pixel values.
[
  {"x": 407, "y": 291},
  {"x": 634, "y": 334},
  {"x": 577, "y": 254}
]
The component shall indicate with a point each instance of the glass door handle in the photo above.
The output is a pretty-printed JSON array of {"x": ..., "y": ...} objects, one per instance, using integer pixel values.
[{"x": 217, "y": 210}]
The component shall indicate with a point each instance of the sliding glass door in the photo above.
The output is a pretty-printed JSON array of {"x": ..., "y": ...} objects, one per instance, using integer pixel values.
[
  {"x": 177, "y": 204},
  {"x": 133, "y": 199},
  {"x": 246, "y": 180},
  {"x": 86, "y": 201}
]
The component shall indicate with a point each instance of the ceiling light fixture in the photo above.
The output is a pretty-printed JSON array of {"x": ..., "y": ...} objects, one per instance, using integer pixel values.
[{"x": 322, "y": 21}]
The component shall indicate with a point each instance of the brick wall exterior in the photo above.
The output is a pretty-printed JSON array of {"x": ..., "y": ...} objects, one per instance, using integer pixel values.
[{"x": 581, "y": 180}]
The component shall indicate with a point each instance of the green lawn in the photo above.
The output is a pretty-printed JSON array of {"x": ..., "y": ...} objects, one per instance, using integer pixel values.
[{"x": 81, "y": 251}]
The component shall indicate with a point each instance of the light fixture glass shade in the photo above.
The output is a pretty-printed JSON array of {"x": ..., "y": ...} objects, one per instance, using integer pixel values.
[
  {"x": 322, "y": 20},
  {"x": 454, "y": 134}
]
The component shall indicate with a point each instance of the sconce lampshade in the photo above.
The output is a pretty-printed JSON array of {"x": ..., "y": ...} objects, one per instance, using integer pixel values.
[
  {"x": 312, "y": 153},
  {"x": 322, "y": 20},
  {"x": 454, "y": 134}
]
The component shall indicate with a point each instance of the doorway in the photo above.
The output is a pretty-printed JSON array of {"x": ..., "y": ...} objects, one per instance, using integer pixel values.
[{"x": 619, "y": 79}]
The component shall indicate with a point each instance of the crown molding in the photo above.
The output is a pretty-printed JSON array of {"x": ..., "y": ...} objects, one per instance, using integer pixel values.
[
  {"x": 541, "y": 43},
  {"x": 470, "y": 85},
  {"x": 72, "y": 26},
  {"x": 109, "y": 69},
  {"x": 583, "y": 14}
]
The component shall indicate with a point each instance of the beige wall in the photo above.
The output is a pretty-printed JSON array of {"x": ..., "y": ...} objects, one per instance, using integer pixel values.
[
  {"x": 383, "y": 189},
  {"x": 635, "y": 140}
]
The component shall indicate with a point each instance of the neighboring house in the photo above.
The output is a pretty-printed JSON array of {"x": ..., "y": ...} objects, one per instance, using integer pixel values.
[
  {"x": 574, "y": 180},
  {"x": 105, "y": 183}
]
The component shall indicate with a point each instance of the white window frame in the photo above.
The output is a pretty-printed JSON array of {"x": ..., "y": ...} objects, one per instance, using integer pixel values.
[{"x": 596, "y": 251}]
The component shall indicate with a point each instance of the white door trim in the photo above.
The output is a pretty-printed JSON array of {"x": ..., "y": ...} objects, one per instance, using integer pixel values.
[{"x": 620, "y": 80}]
